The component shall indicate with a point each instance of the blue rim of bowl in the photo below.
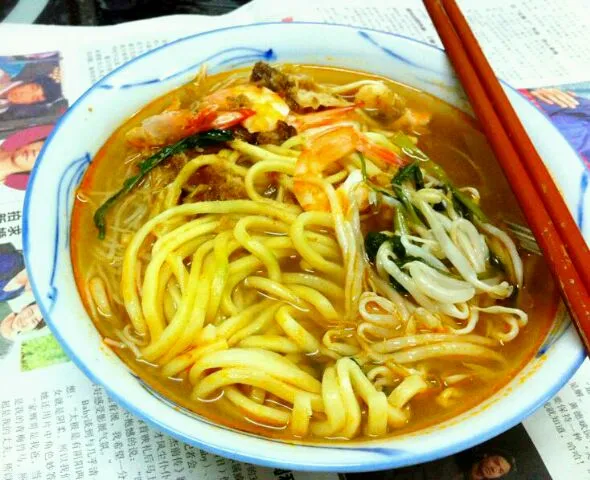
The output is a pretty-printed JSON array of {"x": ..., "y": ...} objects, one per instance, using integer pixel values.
[{"x": 396, "y": 460}]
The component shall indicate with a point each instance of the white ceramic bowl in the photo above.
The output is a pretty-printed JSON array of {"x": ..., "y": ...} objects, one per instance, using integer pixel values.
[{"x": 90, "y": 121}]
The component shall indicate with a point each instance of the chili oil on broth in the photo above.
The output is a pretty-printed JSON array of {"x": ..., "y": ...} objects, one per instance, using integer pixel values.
[{"x": 454, "y": 142}]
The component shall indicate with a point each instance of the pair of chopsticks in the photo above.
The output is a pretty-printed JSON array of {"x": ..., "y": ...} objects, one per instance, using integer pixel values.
[{"x": 557, "y": 234}]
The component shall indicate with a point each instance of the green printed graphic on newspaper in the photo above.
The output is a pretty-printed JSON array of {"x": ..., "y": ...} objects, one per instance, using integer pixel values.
[{"x": 41, "y": 352}]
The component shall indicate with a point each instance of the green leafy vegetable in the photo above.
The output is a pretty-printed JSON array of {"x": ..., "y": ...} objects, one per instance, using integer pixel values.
[
  {"x": 368, "y": 182},
  {"x": 410, "y": 172},
  {"x": 373, "y": 242},
  {"x": 146, "y": 166},
  {"x": 401, "y": 262},
  {"x": 397, "y": 246},
  {"x": 419, "y": 179},
  {"x": 439, "y": 207},
  {"x": 404, "y": 173},
  {"x": 470, "y": 206},
  {"x": 410, "y": 211},
  {"x": 496, "y": 262},
  {"x": 400, "y": 224},
  {"x": 408, "y": 147},
  {"x": 465, "y": 205}
]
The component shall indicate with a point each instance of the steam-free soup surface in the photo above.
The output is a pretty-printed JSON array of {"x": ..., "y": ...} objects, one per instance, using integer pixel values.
[{"x": 323, "y": 258}]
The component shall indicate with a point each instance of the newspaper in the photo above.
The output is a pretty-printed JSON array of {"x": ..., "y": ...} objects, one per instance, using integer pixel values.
[{"x": 54, "y": 423}]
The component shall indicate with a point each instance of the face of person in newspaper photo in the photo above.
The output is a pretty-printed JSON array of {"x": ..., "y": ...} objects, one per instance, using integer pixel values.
[
  {"x": 23, "y": 158},
  {"x": 40, "y": 90},
  {"x": 18, "y": 153},
  {"x": 26, "y": 94},
  {"x": 30, "y": 87},
  {"x": 28, "y": 319},
  {"x": 490, "y": 467}
]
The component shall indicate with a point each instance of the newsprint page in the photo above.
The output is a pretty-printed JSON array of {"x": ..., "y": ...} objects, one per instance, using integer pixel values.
[{"x": 56, "y": 424}]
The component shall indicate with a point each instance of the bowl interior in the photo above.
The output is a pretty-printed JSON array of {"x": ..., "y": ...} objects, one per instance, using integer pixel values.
[{"x": 90, "y": 121}]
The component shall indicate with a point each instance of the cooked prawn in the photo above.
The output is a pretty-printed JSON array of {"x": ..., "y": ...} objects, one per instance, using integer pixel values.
[
  {"x": 354, "y": 188},
  {"x": 268, "y": 107},
  {"x": 412, "y": 121},
  {"x": 380, "y": 97},
  {"x": 256, "y": 108},
  {"x": 325, "y": 149},
  {"x": 172, "y": 125},
  {"x": 323, "y": 118}
]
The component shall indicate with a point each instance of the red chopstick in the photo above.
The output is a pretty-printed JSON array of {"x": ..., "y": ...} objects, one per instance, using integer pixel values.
[
  {"x": 554, "y": 202},
  {"x": 564, "y": 248}
]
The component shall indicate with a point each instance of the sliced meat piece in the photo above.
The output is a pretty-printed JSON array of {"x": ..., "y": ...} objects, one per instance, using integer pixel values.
[
  {"x": 387, "y": 104},
  {"x": 214, "y": 182},
  {"x": 279, "y": 135}
]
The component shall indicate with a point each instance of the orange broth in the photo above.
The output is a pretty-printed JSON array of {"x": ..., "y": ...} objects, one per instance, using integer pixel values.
[{"x": 456, "y": 143}]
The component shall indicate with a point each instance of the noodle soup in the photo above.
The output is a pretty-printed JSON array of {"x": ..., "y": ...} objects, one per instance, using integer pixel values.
[{"x": 308, "y": 253}]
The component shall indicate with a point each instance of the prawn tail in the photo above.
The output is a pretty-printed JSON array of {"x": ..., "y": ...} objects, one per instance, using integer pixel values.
[
  {"x": 201, "y": 120},
  {"x": 378, "y": 153}
]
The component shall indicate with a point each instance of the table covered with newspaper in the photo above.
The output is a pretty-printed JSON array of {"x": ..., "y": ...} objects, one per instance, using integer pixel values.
[{"x": 56, "y": 424}]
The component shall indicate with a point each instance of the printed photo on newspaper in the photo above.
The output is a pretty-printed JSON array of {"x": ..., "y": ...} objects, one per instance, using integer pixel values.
[{"x": 54, "y": 423}]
